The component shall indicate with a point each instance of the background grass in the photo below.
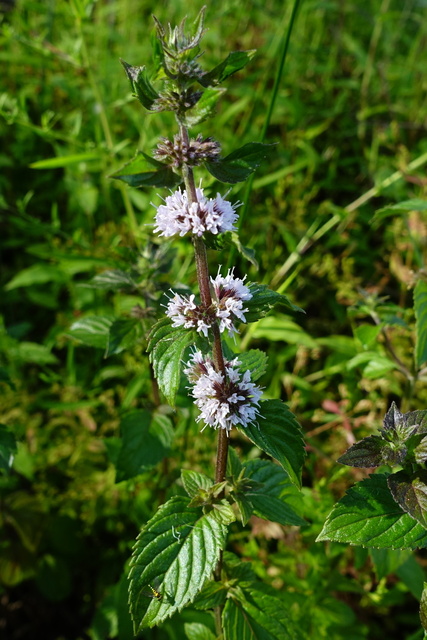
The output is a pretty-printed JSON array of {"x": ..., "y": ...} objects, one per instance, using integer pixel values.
[{"x": 351, "y": 111}]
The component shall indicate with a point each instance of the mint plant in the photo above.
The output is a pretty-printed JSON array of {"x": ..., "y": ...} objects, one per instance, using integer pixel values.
[
  {"x": 182, "y": 549},
  {"x": 388, "y": 510}
]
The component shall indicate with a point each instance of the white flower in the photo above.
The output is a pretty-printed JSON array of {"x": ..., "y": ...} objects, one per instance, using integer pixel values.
[
  {"x": 185, "y": 313},
  {"x": 179, "y": 217},
  {"x": 229, "y": 295},
  {"x": 223, "y": 400}
]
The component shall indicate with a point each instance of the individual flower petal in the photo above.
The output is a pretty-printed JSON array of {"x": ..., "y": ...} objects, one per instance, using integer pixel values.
[
  {"x": 223, "y": 400},
  {"x": 178, "y": 216}
]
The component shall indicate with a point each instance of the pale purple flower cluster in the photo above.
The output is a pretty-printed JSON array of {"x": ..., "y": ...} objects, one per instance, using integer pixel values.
[
  {"x": 178, "y": 216},
  {"x": 185, "y": 313},
  {"x": 229, "y": 294},
  {"x": 224, "y": 400}
]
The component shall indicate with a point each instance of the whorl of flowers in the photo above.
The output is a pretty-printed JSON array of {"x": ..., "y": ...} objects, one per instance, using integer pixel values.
[
  {"x": 223, "y": 400},
  {"x": 193, "y": 152},
  {"x": 178, "y": 216},
  {"x": 229, "y": 294}
]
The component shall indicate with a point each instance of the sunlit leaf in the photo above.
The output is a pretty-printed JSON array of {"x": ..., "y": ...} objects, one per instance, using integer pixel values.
[{"x": 367, "y": 515}]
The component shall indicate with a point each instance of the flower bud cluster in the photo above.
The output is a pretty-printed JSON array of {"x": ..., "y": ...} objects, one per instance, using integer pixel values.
[
  {"x": 224, "y": 400},
  {"x": 228, "y": 297},
  {"x": 178, "y": 152}
]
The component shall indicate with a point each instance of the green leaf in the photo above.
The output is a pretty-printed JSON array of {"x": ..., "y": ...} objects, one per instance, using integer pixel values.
[
  {"x": 374, "y": 364},
  {"x": 193, "y": 481},
  {"x": 139, "y": 172},
  {"x": 238, "y": 165},
  {"x": 257, "y": 613},
  {"x": 420, "y": 451},
  {"x": 166, "y": 347},
  {"x": 423, "y": 607},
  {"x": 244, "y": 506},
  {"x": 387, "y": 561},
  {"x": 204, "y": 108},
  {"x": 372, "y": 451},
  {"x": 368, "y": 515},
  {"x": 401, "y": 207},
  {"x": 146, "y": 440},
  {"x": 93, "y": 331},
  {"x": 234, "y": 465},
  {"x": 254, "y": 361},
  {"x": 266, "y": 499},
  {"x": 412, "y": 575},
  {"x": 279, "y": 434},
  {"x": 235, "y": 61},
  {"x": 66, "y": 161},
  {"x": 279, "y": 328},
  {"x": 198, "y": 631},
  {"x": 410, "y": 492},
  {"x": 263, "y": 300},
  {"x": 123, "y": 334},
  {"x": 33, "y": 352},
  {"x": 177, "y": 549},
  {"x": 222, "y": 512},
  {"x": 36, "y": 275},
  {"x": 399, "y": 427},
  {"x": 113, "y": 280},
  {"x": 212, "y": 595},
  {"x": 7, "y": 448},
  {"x": 420, "y": 305},
  {"x": 140, "y": 84},
  {"x": 221, "y": 241}
]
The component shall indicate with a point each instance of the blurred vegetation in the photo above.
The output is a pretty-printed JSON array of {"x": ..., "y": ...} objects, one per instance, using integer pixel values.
[{"x": 350, "y": 123}]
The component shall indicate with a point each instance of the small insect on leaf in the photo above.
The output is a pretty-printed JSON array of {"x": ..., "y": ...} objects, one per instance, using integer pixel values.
[{"x": 154, "y": 593}]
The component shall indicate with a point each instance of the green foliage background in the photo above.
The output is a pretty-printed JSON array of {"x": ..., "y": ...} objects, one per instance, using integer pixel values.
[{"x": 351, "y": 112}]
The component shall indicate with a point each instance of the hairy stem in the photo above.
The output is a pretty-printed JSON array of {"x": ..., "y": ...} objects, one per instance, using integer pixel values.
[{"x": 203, "y": 279}]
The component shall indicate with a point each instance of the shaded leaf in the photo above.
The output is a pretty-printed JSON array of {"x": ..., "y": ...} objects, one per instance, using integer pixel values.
[
  {"x": 204, "y": 108},
  {"x": 140, "y": 84},
  {"x": 113, "y": 280},
  {"x": 146, "y": 440},
  {"x": 235, "y": 61},
  {"x": 238, "y": 165},
  {"x": 278, "y": 433},
  {"x": 257, "y": 613},
  {"x": 263, "y": 300},
  {"x": 123, "y": 334},
  {"x": 410, "y": 493},
  {"x": 143, "y": 171},
  {"x": 266, "y": 498},
  {"x": 368, "y": 515},
  {"x": 399, "y": 427},
  {"x": 373, "y": 451},
  {"x": 221, "y": 241},
  {"x": 178, "y": 549}
]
